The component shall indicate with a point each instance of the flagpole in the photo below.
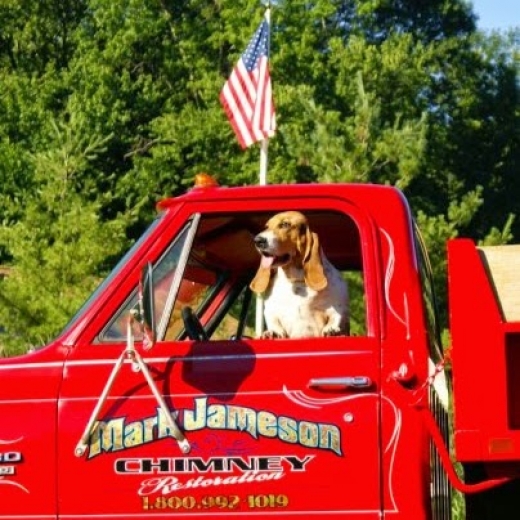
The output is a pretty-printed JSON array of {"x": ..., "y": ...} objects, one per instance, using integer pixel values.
[
  {"x": 263, "y": 161},
  {"x": 265, "y": 141},
  {"x": 259, "y": 318},
  {"x": 263, "y": 181}
]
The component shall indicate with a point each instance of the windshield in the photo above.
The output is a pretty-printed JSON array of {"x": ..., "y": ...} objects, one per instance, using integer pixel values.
[{"x": 79, "y": 314}]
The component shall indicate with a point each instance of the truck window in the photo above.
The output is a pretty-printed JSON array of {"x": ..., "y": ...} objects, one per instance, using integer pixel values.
[
  {"x": 428, "y": 294},
  {"x": 227, "y": 242},
  {"x": 239, "y": 320},
  {"x": 221, "y": 261},
  {"x": 194, "y": 287}
]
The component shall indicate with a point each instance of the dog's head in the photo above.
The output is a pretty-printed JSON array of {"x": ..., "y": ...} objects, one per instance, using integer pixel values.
[{"x": 287, "y": 240}]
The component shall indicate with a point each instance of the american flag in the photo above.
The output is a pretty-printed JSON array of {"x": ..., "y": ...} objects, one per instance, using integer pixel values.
[{"x": 247, "y": 95}]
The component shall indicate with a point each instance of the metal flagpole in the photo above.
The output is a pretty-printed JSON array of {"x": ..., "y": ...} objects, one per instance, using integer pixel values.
[
  {"x": 259, "y": 298},
  {"x": 259, "y": 321}
]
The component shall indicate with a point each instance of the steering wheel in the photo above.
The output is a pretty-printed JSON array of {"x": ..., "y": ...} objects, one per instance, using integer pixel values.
[{"x": 193, "y": 326}]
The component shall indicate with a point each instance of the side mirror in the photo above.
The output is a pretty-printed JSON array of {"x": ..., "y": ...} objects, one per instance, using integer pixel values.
[{"x": 146, "y": 305}]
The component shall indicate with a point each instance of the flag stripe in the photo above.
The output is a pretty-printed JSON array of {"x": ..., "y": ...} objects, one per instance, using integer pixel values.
[
  {"x": 235, "y": 116},
  {"x": 247, "y": 95}
]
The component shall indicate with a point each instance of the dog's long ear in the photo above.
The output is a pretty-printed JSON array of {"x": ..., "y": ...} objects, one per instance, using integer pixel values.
[
  {"x": 312, "y": 265},
  {"x": 261, "y": 280}
]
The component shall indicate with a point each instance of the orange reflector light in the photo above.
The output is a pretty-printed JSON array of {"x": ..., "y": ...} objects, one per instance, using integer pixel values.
[
  {"x": 204, "y": 180},
  {"x": 501, "y": 445}
]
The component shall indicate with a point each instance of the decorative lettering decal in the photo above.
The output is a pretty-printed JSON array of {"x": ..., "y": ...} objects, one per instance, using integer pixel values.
[
  {"x": 120, "y": 434},
  {"x": 175, "y": 474},
  {"x": 9, "y": 459},
  {"x": 168, "y": 465},
  {"x": 218, "y": 502}
]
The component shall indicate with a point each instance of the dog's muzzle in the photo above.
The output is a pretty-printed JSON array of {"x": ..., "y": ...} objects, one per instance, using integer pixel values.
[
  {"x": 269, "y": 260},
  {"x": 261, "y": 242}
]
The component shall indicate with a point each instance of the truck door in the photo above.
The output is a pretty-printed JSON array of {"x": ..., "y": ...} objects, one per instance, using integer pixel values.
[{"x": 269, "y": 426}]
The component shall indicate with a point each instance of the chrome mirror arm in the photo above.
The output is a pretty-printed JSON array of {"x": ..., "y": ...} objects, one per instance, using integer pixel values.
[{"x": 130, "y": 354}]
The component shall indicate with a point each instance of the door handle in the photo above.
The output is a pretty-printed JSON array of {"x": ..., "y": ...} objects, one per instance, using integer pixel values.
[{"x": 335, "y": 383}]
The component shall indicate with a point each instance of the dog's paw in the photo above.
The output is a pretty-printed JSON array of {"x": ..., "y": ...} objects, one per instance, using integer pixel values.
[
  {"x": 332, "y": 331},
  {"x": 271, "y": 334}
]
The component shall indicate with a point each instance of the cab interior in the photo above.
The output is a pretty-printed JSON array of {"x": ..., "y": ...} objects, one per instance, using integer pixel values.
[
  {"x": 213, "y": 300},
  {"x": 224, "y": 244}
]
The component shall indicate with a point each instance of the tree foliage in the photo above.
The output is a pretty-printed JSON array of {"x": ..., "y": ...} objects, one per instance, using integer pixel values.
[
  {"x": 109, "y": 105},
  {"x": 60, "y": 245}
]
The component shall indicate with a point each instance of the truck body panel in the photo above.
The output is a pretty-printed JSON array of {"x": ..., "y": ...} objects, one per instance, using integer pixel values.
[
  {"x": 28, "y": 434},
  {"x": 486, "y": 358}
]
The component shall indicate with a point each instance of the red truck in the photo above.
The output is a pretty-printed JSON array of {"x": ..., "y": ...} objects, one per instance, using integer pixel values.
[{"x": 158, "y": 401}]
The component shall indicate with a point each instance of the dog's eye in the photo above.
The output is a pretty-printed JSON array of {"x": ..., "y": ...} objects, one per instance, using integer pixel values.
[{"x": 284, "y": 224}]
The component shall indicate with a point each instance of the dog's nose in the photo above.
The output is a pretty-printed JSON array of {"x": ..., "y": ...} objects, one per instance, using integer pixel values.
[{"x": 260, "y": 242}]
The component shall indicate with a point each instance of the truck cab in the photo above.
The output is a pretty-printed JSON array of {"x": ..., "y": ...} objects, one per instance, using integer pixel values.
[{"x": 198, "y": 415}]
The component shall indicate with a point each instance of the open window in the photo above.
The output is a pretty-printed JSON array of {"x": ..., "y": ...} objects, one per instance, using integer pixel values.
[{"x": 211, "y": 262}]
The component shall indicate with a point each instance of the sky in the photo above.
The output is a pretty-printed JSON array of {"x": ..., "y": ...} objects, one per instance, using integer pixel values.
[{"x": 496, "y": 14}]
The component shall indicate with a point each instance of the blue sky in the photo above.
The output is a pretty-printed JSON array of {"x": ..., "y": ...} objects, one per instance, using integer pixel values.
[{"x": 496, "y": 14}]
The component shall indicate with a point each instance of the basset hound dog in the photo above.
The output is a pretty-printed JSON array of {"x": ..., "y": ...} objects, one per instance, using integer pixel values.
[{"x": 304, "y": 294}]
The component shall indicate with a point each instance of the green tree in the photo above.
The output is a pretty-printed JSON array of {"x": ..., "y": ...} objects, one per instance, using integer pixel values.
[
  {"x": 388, "y": 91},
  {"x": 59, "y": 247}
]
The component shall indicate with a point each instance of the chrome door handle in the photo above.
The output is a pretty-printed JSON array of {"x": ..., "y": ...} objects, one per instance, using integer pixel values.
[{"x": 334, "y": 383}]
